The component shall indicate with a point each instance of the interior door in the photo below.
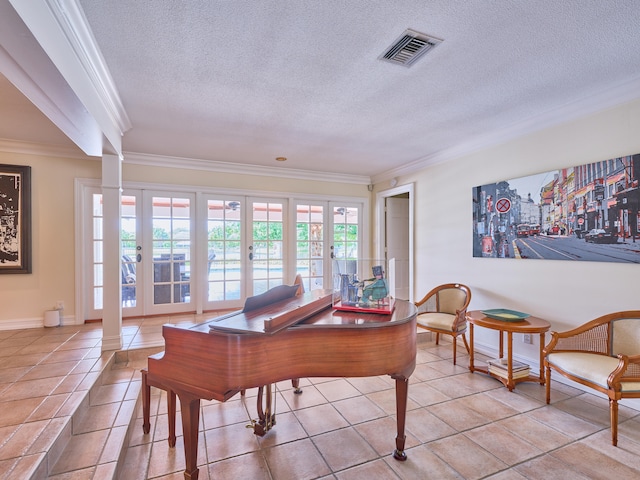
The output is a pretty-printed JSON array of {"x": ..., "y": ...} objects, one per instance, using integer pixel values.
[{"x": 397, "y": 242}]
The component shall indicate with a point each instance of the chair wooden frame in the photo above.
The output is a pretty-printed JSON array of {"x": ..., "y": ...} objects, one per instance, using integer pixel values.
[
  {"x": 459, "y": 325},
  {"x": 595, "y": 339}
]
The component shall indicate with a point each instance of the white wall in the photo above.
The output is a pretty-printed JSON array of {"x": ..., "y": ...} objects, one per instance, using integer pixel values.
[{"x": 567, "y": 293}]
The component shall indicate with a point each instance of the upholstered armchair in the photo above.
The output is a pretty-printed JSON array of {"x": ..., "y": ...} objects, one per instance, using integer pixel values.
[
  {"x": 603, "y": 354},
  {"x": 443, "y": 311}
]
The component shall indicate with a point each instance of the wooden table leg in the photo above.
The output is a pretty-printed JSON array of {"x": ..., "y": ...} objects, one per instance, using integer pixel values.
[
  {"x": 542, "y": 358},
  {"x": 471, "y": 367},
  {"x": 510, "y": 383}
]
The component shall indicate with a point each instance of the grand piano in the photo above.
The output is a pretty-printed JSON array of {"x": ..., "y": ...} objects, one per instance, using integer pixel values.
[{"x": 278, "y": 336}]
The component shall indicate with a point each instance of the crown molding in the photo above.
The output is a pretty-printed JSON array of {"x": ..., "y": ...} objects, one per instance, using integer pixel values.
[
  {"x": 242, "y": 169},
  {"x": 75, "y": 26},
  {"x": 624, "y": 92}
]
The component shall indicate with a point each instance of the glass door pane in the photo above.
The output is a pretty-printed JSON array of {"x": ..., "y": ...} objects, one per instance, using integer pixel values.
[
  {"x": 346, "y": 238},
  {"x": 171, "y": 250},
  {"x": 128, "y": 266},
  {"x": 346, "y": 233},
  {"x": 97, "y": 248},
  {"x": 310, "y": 245},
  {"x": 266, "y": 249},
  {"x": 224, "y": 253},
  {"x": 129, "y": 241}
]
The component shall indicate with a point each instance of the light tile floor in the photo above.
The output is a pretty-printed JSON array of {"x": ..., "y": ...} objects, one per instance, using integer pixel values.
[{"x": 459, "y": 425}]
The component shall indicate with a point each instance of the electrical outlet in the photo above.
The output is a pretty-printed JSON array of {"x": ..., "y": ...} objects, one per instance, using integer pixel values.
[
  {"x": 526, "y": 338},
  {"x": 60, "y": 305}
]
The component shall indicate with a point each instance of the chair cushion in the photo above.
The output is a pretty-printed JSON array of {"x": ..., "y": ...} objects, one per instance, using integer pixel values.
[
  {"x": 450, "y": 300},
  {"x": 439, "y": 321},
  {"x": 590, "y": 367},
  {"x": 625, "y": 336}
]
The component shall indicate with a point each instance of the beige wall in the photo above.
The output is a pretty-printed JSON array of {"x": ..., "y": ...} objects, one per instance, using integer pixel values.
[
  {"x": 25, "y": 297},
  {"x": 139, "y": 173},
  {"x": 566, "y": 293}
]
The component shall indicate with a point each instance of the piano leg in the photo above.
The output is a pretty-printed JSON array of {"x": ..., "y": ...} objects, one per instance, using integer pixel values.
[
  {"x": 402, "y": 392},
  {"x": 295, "y": 383},
  {"x": 146, "y": 402},
  {"x": 266, "y": 416},
  {"x": 171, "y": 410},
  {"x": 146, "y": 407},
  {"x": 190, "y": 408}
]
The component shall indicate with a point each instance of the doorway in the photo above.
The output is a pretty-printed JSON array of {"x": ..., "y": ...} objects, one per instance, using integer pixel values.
[{"x": 395, "y": 236}]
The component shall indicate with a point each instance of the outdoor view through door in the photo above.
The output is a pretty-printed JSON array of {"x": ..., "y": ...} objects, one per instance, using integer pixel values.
[
  {"x": 246, "y": 246},
  {"x": 346, "y": 233},
  {"x": 224, "y": 234},
  {"x": 171, "y": 247},
  {"x": 266, "y": 249},
  {"x": 310, "y": 245}
]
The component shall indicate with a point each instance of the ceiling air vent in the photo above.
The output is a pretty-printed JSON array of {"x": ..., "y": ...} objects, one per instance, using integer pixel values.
[{"x": 407, "y": 49}]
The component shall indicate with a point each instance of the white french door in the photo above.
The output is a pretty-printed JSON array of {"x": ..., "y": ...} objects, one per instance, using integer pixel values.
[
  {"x": 266, "y": 246},
  {"x": 168, "y": 251},
  {"x": 311, "y": 243},
  {"x": 184, "y": 252},
  {"x": 130, "y": 241},
  {"x": 326, "y": 233},
  {"x": 225, "y": 247},
  {"x": 346, "y": 232},
  {"x": 155, "y": 263}
]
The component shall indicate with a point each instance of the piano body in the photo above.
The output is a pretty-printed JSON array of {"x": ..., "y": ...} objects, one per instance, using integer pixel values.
[{"x": 301, "y": 336}]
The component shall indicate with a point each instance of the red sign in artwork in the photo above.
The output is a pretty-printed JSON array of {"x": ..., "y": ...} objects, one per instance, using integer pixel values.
[{"x": 503, "y": 205}]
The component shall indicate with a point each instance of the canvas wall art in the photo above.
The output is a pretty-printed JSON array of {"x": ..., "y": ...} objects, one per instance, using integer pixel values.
[
  {"x": 587, "y": 212},
  {"x": 15, "y": 219}
]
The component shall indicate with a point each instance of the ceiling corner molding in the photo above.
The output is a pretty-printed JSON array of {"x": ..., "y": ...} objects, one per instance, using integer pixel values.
[
  {"x": 241, "y": 169},
  {"x": 624, "y": 92},
  {"x": 61, "y": 29}
]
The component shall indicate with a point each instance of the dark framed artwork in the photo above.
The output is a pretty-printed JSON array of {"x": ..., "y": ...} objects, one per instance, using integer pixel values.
[
  {"x": 15, "y": 219},
  {"x": 588, "y": 212}
]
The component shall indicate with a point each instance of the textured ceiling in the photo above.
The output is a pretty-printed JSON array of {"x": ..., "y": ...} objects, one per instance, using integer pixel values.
[{"x": 247, "y": 81}]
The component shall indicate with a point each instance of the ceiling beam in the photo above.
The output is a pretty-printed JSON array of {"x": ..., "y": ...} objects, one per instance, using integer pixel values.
[{"x": 74, "y": 88}]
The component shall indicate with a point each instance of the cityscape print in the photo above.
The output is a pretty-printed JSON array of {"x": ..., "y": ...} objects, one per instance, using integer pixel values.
[{"x": 588, "y": 212}]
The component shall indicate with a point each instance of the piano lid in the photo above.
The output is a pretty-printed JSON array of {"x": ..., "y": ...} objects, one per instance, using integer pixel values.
[{"x": 275, "y": 316}]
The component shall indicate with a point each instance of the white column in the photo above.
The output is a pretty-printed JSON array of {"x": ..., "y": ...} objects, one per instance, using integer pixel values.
[{"x": 112, "y": 251}]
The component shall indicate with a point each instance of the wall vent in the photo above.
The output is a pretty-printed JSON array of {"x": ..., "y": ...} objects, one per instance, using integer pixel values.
[{"x": 409, "y": 47}]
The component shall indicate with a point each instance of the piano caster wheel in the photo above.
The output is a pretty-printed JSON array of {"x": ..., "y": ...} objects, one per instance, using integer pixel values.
[
  {"x": 298, "y": 391},
  {"x": 399, "y": 455}
]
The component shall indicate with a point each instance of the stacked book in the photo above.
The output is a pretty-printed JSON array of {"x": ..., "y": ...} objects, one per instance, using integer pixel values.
[{"x": 498, "y": 366}]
